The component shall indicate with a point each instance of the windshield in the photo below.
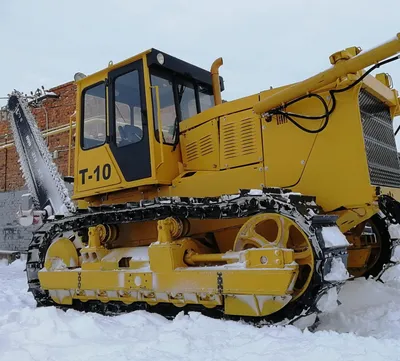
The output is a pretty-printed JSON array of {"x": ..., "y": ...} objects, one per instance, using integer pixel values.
[{"x": 179, "y": 99}]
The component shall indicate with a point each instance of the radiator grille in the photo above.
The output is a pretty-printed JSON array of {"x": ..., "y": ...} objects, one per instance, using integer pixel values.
[{"x": 383, "y": 161}]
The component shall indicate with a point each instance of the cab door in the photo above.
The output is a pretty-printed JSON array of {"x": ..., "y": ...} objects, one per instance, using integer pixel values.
[{"x": 128, "y": 125}]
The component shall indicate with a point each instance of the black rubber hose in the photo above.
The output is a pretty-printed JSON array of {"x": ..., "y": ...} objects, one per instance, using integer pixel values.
[{"x": 328, "y": 111}]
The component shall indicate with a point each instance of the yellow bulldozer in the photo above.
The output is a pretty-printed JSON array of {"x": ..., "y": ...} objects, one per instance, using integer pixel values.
[{"x": 259, "y": 208}]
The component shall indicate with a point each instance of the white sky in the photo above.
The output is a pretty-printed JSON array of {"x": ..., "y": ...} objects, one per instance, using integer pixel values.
[{"x": 263, "y": 42}]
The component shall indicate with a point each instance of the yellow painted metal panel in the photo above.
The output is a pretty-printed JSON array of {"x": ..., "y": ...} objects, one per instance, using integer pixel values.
[
  {"x": 223, "y": 182},
  {"x": 187, "y": 280},
  {"x": 330, "y": 165},
  {"x": 337, "y": 171},
  {"x": 240, "y": 137},
  {"x": 250, "y": 305},
  {"x": 286, "y": 147},
  {"x": 150, "y": 116},
  {"x": 58, "y": 280},
  {"x": 96, "y": 168},
  {"x": 249, "y": 281},
  {"x": 358, "y": 257},
  {"x": 240, "y": 281},
  {"x": 200, "y": 147},
  {"x": 227, "y": 108},
  {"x": 379, "y": 90}
]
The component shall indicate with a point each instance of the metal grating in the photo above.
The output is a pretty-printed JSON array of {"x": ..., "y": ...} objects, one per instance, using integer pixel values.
[{"x": 383, "y": 161}]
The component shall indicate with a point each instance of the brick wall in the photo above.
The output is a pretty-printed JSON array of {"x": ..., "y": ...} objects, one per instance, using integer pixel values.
[
  {"x": 53, "y": 113},
  {"x": 13, "y": 237}
]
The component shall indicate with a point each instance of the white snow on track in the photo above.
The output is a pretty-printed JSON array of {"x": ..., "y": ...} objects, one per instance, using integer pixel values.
[{"x": 365, "y": 327}]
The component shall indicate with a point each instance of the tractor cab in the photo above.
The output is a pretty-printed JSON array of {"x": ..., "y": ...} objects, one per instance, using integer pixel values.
[{"x": 128, "y": 119}]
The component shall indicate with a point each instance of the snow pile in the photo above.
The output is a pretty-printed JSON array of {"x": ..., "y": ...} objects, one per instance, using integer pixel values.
[
  {"x": 329, "y": 301},
  {"x": 368, "y": 308},
  {"x": 338, "y": 271},
  {"x": 365, "y": 327},
  {"x": 394, "y": 231},
  {"x": 395, "y": 254},
  {"x": 333, "y": 237}
]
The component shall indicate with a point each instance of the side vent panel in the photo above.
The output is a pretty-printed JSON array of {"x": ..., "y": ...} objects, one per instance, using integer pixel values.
[
  {"x": 240, "y": 140},
  {"x": 200, "y": 147}
]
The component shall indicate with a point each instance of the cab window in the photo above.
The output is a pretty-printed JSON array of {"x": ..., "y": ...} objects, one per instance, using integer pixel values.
[
  {"x": 206, "y": 98},
  {"x": 163, "y": 93},
  {"x": 176, "y": 98},
  {"x": 127, "y": 109},
  {"x": 186, "y": 99},
  {"x": 94, "y": 116}
]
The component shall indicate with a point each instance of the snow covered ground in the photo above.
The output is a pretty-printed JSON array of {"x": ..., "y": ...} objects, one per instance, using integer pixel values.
[{"x": 365, "y": 327}]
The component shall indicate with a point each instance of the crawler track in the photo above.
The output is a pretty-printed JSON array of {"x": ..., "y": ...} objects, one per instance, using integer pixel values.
[{"x": 242, "y": 205}]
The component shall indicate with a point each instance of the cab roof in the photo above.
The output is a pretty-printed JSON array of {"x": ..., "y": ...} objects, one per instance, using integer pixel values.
[
  {"x": 171, "y": 63},
  {"x": 181, "y": 67}
]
